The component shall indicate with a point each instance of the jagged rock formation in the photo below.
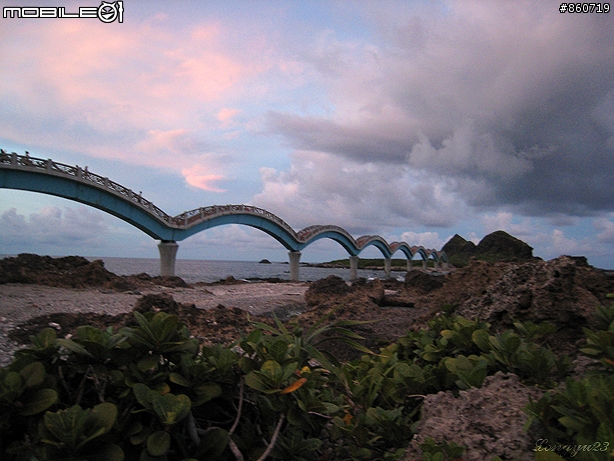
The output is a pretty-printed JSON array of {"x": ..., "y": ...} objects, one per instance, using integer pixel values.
[
  {"x": 563, "y": 291},
  {"x": 480, "y": 420},
  {"x": 497, "y": 246},
  {"x": 458, "y": 246},
  {"x": 73, "y": 272}
]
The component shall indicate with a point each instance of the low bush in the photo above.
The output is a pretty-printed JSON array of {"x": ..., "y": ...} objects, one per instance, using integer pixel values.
[
  {"x": 578, "y": 420},
  {"x": 151, "y": 392}
]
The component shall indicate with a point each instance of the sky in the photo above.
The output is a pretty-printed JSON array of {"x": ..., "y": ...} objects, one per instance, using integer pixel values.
[{"x": 413, "y": 120}]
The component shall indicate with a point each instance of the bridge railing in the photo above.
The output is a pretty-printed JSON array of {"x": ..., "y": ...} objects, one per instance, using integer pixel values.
[
  {"x": 49, "y": 165},
  {"x": 192, "y": 217},
  {"x": 308, "y": 232},
  {"x": 188, "y": 218}
]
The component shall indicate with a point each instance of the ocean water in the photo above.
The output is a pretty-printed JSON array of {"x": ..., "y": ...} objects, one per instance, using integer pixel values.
[{"x": 193, "y": 271}]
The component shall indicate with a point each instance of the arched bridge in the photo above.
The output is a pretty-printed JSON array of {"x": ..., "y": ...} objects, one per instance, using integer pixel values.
[{"x": 75, "y": 183}]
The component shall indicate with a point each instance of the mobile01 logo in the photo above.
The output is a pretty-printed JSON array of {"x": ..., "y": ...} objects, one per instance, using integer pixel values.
[{"x": 107, "y": 12}]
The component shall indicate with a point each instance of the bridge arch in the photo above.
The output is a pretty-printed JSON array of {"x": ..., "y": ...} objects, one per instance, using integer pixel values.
[
  {"x": 376, "y": 241},
  {"x": 270, "y": 227},
  {"x": 74, "y": 183},
  {"x": 312, "y": 234}
]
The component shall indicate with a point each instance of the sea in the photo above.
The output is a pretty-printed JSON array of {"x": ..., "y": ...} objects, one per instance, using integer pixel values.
[{"x": 194, "y": 271}]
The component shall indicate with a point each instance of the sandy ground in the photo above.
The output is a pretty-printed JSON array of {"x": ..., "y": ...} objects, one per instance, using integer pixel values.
[{"x": 22, "y": 302}]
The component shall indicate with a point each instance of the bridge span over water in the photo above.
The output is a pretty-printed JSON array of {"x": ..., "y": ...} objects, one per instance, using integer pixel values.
[{"x": 45, "y": 176}]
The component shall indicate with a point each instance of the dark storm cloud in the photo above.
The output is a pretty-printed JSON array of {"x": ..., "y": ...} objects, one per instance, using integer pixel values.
[
  {"x": 383, "y": 143},
  {"x": 515, "y": 105}
]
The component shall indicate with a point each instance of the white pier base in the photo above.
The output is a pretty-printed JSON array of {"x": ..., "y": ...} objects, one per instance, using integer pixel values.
[
  {"x": 295, "y": 258},
  {"x": 168, "y": 253},
  {"x": 353, "y": 268}
]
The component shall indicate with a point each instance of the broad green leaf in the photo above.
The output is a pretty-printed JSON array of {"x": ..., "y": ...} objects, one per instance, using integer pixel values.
[
  {"x": 171, "y": 408},
  {"x": 108, "y": 452},
  {"x": 207, "y": 391},
  {"x": 104, "y": 415},
  {"x": 213, "y": 443},
  {"x": 142, "y": 394},
  {"x": 46, "y": 338},
  {"x": 148, "y": 362},
  {"x": 66, "y": 425},
  {"x": 256, "y": 381},
  {"x": 33, "y": 374},
  {"x": 39, "y": 402},
  {"x": 272, "y": 369},
  {"x": 158, "y": 443},
  {"x": 74, "y": 347},
  {"x": 14, "y": 381},
  {"x": 179, "y": 379},
  {"x": 481, "y": 339}
]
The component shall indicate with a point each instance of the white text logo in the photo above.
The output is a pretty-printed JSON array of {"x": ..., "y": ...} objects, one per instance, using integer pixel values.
[{"x": 107, "y": 12}]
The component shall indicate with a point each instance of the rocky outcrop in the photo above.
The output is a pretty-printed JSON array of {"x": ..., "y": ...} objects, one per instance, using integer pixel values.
[
  {"x": 563, "y": 291},
  {"x": 69, "y": 271},
  {"x": 497, "y": 246},
  {"x": 323, "y": 291},
  {"x": 457, "y": 245},
  {"x": 503, "y": 246},
  {"x": 423, "y": 281},
  {"x": 488, "y": 421},
  {"x": 74, "y": 272}
]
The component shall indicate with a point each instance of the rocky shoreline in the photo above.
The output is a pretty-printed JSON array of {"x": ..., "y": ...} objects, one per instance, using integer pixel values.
[{"x": 563, "y": 292}]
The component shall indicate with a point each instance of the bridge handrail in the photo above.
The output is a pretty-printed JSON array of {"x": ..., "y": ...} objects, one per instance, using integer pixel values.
[
  {"x": 49, "y": 165},
  {"x": 190, "y": 218},
  {"x": 304, "y": 235}
]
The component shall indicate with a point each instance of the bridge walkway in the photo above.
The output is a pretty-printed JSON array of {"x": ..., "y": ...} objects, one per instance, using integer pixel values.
[{"x": 46, "y": 176}]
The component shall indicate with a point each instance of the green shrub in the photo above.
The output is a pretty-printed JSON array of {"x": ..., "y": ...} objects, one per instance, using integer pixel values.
[
  {"x": 432, "y": 451},
  {"x": 578, "y": 421},
  {"x": 151, "y": 392}
]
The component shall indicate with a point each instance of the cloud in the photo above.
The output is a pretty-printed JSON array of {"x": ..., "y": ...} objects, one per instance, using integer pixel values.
[
  {"x": 240, "y": 239},
  {"x": 173, "y": 143},
  {"x": 605, "y": 227},
  {"x": 200, "y": 176},
  {"x": 559, "y": 244},
  {"x": 226, "y": 115},
  {"x": 361, "y": 197},
  {"x": 135, "y": 93},
  {"x": 53, "y": 227},
  {"x": 429, "y": 240},
  {"x": 503, "y": 220},
  {"x": 482, "y": 94}
]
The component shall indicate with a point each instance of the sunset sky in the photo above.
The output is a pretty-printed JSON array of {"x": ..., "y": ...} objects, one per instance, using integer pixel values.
[{"x": 414, "y": 120}]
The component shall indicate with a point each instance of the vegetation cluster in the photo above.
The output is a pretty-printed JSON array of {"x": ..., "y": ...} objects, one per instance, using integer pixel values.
[{"x": 152, "y": 392}]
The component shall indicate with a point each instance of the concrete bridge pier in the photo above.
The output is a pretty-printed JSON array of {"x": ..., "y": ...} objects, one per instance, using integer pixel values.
[
  {"x": 295, "y": 257},
  {"x": 425, "y": 263},
  {"x": 409, "y": 265},
  {"x": 168, "y": 253},
  {"x": 353, "y": 268},
  {"x": 387, "y": 267}
]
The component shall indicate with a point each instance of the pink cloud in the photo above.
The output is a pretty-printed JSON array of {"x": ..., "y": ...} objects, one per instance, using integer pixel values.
[
  {"x": 226, "y": 115},
  {"x": 166, "y": 141},
  {"x": 201, "y": 177},
  {"x": 111, "y": 79}
]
